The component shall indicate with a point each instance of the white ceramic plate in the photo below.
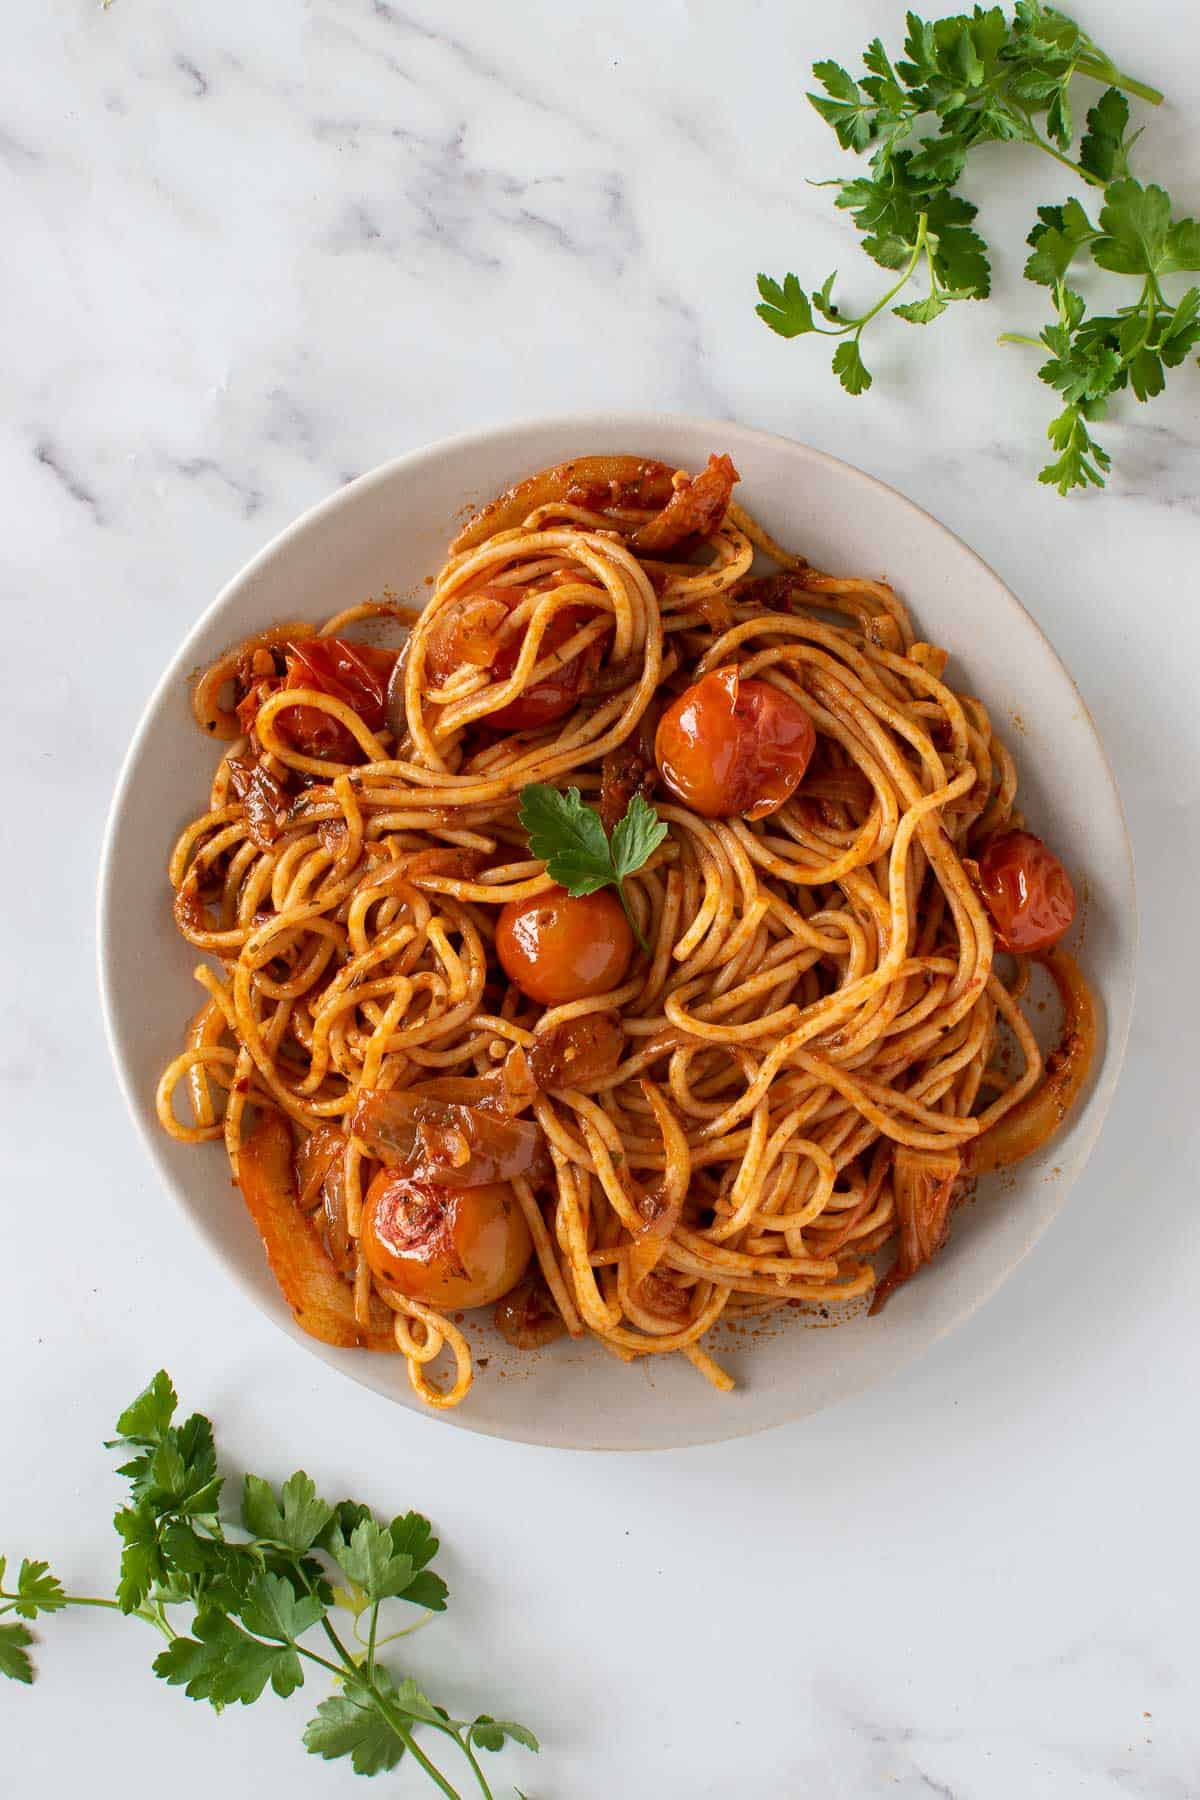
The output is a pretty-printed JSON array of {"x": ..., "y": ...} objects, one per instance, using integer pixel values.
[{"x": 390, "y": 530}]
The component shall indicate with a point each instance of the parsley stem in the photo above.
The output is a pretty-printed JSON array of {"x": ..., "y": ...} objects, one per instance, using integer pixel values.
[
  {"x": 344, "y": 1655},
  {"x": 404, "y": 1732},
  {"x": 1020, "y": 337},
  {"x": 1035, "y": 137},
  {"x": 365, "y": 1677},
  {"x": 62, "y": 1600},
  {"x": 479, "y": 1775},
  {"x": 324, "y": 1662},
  {"x": 919, "y": 244},
  {"x": 628, "y": 911},
  {"x": 1103, "y": 70}
]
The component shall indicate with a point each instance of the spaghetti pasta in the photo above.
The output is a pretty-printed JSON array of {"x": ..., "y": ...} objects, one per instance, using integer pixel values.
[{"x": 801, "y": 1065}]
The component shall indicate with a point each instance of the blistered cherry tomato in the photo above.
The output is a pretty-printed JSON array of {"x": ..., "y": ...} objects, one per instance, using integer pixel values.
[
  {"x": 1027, "y": 892},
  {"x": 466, "y": 631},
  {"x": 730, "y": 746},
  {"x": 355, "y": 674},
  {"x": 558, "y": 949},
  {"x": 447, "y": 1247},
  {"x": 552, "y": 699}
]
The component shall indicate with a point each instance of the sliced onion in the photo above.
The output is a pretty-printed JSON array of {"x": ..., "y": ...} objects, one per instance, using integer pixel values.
[
  {"x": 647, "y": 1246},
  {"x": 518, "y": 1085},
  {"x": 322, "y": 1302},
  {"x": 598, "y": 482},
  {"x": 1036, "y": 1118},
  {"x": 453, "y": 1143},
  {"x": 695, "y": 508},
  {"x": 925, "y": 1184},
  {"x": 337, "y": 1223},
  {"x": 314, "y": 1158},
  {"x": 395, "y": 713}
]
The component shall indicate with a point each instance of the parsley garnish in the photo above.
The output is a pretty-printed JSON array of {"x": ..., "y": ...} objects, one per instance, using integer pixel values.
[
  {"x": 578, "y": 853},
  {"x": 258, "y": 1590},
  {"x": 984, "y": 78}
]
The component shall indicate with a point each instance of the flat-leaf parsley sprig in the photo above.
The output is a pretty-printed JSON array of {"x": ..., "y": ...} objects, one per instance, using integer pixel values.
[
  {"x": 578, "y": 853},
  {"x": 1093, "y": 357},
  {"x": 262, "y": 1596},
  {"x": 980, "y": 78}
]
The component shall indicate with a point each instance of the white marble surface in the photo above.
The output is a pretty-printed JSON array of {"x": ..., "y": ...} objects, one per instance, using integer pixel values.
[{"x": 253, "y": 250}]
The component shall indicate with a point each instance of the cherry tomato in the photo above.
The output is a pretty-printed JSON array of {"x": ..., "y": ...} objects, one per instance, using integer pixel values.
[
  {"x": 356, "y": 674},
  {"x": 447, "y": 1247},
  {"x": 552, "y": 699},
  {"x": 1027, "y": 891},
  {"x": 731, "y": 746},
  {"x": 465, "y": 631},
  {"x": 466, "y": 634},
  {"x": 557, "y": 948}
]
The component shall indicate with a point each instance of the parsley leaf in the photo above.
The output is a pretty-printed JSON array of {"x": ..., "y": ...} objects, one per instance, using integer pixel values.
[
  {"x": 1056, "y": 241},
  {"x": 225, "y": 1665},
  {"x": 369, "y": 1559},
  {"x": 921, "y": 312},
  {"x": 141, "y": 1562},
  {"x": 14, "y": 1662},
  {"x": 295, "y": 1520},
  {"x": 350, "y": 1724},
  {"x": 847, "y": 108},
  {"x": 570, "y": 838},
  {"x": 850, "y": 368},
  {"x": 272, "y": 1610},
  {"x": 490, "y": 1734},
  {"x": 412, "y": 1536},
  {"x": 1104, "y": 151},
  {"x": 409, "y": 1699},
  {"x": 1134, "y": 222},
  {"x": 146, "y": 1418},
  {"x": 1182, "y": 333},
  {"x": 636, "y": 837},
  {"x": 988, "y": 77},
  {"x": 37, "y": 1589},
  {"x": 785, "y": 307},
  {"x": 1082, "y": 462},
  {"x": 251, "y": 1601}
]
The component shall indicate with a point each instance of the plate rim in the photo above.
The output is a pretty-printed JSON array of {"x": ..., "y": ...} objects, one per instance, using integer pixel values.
[{"x": 463, "y": 443}]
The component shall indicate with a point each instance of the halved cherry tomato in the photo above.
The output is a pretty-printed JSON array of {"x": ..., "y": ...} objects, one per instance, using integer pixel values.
[
  {"x": 355, "y": 674},
  {"x": 730, "y": 746},
  {"x": 1027, "y": 892},
  {"x": 447, "y": 1247},
  {"x": 558, "y": 949}
]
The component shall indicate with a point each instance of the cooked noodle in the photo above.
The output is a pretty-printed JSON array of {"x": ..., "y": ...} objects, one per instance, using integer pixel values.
[{"x": 807, "y": 1057}]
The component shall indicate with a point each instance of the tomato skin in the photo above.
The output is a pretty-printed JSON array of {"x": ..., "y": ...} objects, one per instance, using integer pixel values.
[
  {"x": 557, "y": 949},
  {"x": 447, "y": 1247},
  {"x": 1027, "y": 892},
  {"x": 465, "y": 635},
  {"x": 730, "y": 746},
  {"x": 355, "y": 674},
  {"x": 552, "y": 699}
]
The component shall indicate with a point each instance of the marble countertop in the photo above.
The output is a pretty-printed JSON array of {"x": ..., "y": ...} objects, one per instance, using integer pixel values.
[{"x": 251, "y": 252}]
